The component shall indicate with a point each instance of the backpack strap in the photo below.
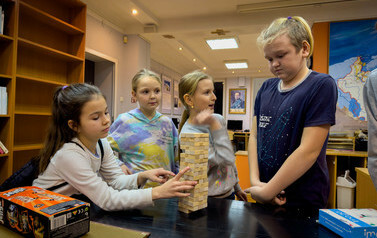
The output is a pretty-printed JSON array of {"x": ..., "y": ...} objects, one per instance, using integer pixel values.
[
  {"x": 56, "y": 186},
  {"x": 65, "y": 183},
  {"x": 101, "y": 148}
]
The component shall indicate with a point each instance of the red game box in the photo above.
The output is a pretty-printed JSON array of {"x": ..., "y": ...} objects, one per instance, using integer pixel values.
[{"x": 36, "y": 212}]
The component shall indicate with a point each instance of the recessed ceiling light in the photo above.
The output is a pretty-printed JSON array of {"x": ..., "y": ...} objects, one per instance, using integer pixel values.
[
  {"x": 194, "y": 60},
  {"x": 180, "y": 48},
  {"x": 232, "y": 72},
  {"x": 222, "y": 43},
  {"x": 204, "y": 68},
  {"x": 236, "y": 64},
  {"x": 134, "y": 12}
]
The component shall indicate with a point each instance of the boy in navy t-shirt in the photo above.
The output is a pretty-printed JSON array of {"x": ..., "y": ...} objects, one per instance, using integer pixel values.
[{"x": 292, "y": 117}]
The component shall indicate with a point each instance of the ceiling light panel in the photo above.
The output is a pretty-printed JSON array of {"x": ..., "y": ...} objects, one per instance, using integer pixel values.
[
  {"x": 224, "y": 43},
  {"x": 236, "y": 64}
]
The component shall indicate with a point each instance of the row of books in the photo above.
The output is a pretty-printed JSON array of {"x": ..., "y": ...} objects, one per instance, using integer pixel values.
[
  {"x": 3, "y": 101},
  {"x": 1, "y": 20},
  {"x": 3, "y": 149}
]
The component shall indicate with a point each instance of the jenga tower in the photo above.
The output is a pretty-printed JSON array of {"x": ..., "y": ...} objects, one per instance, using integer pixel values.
[{"x": 195, "y": 155}]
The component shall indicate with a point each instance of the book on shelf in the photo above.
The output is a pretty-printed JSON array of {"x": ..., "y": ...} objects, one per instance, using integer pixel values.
[
  {"x": 1, "y": 151},
  {"x": 3, "y": 148},
  {"x": 3, "y": 101}
]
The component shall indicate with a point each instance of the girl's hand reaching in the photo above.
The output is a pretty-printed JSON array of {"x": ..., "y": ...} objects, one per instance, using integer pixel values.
[
  {"x": 206, "y": 117},
  {"x": 174, "y": 187},
  {"x": 125, "y": 169},
  {"x": 159, "y": 175}
]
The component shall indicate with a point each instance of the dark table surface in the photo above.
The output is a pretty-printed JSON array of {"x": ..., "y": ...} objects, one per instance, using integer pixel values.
[{"x": 222, "y": 218}]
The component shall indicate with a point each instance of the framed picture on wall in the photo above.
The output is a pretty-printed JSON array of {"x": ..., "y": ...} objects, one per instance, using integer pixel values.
[
  {"x": 177, "y": 107},
  {"x": 166, "y": 94},
  {"x": 237, "y": 101}
]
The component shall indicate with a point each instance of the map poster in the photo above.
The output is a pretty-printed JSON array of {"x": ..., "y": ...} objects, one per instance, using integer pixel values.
[{"x": 352, "y": 56}]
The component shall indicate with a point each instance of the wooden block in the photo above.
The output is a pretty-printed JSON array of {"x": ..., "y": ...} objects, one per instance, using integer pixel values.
[
  {"x": 194, "y": 140},
  {"x": 182, "y": 209},
  {"x": 193, "y": 143},
  {"x": 196, "y": 152},
  {"x": 194, "y": 177},
  {"x": 190, "y": 147},
  {"x": 193, "y": 157},
  {"x": 196, "y": 135}
]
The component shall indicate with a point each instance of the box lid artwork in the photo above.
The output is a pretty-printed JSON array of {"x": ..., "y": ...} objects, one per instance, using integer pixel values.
[
  {"x": 350, "y": 222},
  {"x": 36, "y": 212}
]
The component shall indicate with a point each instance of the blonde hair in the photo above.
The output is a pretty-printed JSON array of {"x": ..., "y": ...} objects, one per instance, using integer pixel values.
[
  {"x": 142, "y": 74},
  {"x": 296, "y": 28},
  {"x": 188, "y": 85}
]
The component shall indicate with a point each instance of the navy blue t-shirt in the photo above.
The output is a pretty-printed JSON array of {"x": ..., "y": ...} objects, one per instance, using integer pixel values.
[{"x": 281, "y": 118}]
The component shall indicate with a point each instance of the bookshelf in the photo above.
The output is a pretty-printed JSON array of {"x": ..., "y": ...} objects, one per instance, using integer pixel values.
[{"x": 43, "y": 47}]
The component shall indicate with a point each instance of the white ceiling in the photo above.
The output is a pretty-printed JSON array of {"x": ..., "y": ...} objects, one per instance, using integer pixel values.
[{"x": 192, "y": 21}]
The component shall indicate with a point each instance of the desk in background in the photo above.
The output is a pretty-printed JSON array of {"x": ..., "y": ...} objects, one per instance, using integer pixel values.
[
  {"x": 366, "y": 194},
  {"x": 337, "y": 162},
  {"x": 241, "y": 139},
  {"x": 222, "y": 218}
]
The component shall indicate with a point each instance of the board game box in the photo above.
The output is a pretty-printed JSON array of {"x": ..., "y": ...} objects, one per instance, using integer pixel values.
[
  {"x": 36, "y": 212},
  {"x": 350, "y": 222}
]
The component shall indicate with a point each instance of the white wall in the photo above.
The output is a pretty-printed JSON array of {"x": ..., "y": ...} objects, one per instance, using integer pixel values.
[
  {"x": 232, "y": 83},
  {"x": 132, "y": 56}
]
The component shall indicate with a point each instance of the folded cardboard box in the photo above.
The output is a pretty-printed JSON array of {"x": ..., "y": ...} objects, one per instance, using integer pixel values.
[
  {"x": 36, "y": 212},
  {"x": 350, "y": 222}
]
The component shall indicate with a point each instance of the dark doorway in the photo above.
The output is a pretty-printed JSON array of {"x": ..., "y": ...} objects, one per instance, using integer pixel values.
[
  {"x": 219, "y": 86},
  {"x": 89, "y": 71},
  {"x": 100, "y": 72}
]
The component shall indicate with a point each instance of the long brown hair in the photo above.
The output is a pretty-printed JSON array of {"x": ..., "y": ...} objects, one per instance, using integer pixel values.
[
  {"x": 188, "y": 85},
  {"x": 67, "y": 105}
]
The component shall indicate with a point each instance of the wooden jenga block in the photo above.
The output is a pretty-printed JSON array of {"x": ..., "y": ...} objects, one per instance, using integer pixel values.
[
  {"x": 193, "y": 143},
  {"x": 195, "y": 139},
  {"x": 194, "y": 135},
  {"x": 197, "y": 152},
  {"x": 188, "y": 147}
]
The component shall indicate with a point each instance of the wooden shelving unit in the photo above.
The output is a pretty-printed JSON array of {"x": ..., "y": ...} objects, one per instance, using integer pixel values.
[{"x": 43, "y": 47}]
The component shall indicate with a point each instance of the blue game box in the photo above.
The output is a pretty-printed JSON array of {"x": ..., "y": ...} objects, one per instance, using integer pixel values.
[{"x": 350, "y": 222}]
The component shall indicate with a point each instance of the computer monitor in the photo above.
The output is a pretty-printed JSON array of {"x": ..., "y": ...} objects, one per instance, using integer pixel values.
[{"x": 234, "y": 125}]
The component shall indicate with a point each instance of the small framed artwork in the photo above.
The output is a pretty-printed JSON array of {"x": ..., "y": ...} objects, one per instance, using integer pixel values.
[
  {"x": 177, "y": 107},
  {"x": 237, "y": 101},
  {"x": 166, "y": 94}
]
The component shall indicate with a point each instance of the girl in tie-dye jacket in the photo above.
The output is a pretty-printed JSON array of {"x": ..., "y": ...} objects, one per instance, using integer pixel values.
[{"x": 143, "y": 137}]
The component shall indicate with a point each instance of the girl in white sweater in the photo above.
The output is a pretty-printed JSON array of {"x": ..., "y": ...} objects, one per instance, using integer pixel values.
[{"x": 72, "y": 161}]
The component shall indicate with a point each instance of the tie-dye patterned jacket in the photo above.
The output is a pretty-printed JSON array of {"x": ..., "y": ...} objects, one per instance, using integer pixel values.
[{"x": 144, "y": 144}]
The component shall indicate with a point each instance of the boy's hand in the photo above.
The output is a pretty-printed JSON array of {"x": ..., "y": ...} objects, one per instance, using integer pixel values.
[
  {"x": 174, "y": 187},
  {"x": 258, "y": 194}
]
